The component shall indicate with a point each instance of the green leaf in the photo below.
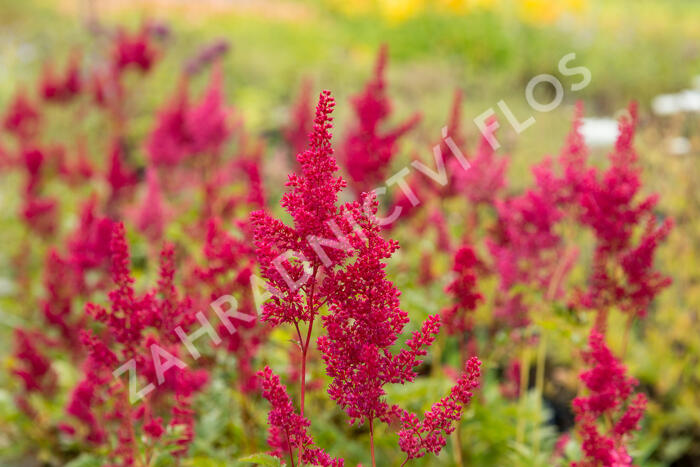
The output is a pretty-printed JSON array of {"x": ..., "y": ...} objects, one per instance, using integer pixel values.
[
  {"x": 85, "y": 460},
  {"x": 262, "y": 459}
]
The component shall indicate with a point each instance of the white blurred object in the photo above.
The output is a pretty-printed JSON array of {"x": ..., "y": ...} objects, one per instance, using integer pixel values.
[
  {"x": 684, "y": 101},
  {"x": 688, "y": 100},
  {"x": 599, "y": 132},
  {"x": 665, "y": 104},
  {"x": 679, "y": 146}
]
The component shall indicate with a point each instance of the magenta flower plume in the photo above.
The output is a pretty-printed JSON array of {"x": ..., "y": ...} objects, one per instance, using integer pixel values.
[
  {"x": 131, "y": 325},
  {"x": 134, "y": 51},
  {"x": 368, "y": 149},
  {"x": 62, "y": 88},
  {"x": 610, "y": 403},
  {"x": 22, "y": 118},
  {"x": 312, "y": 204},
  {"x": 184, "y": 129},
  {"x": 292, "y": 427},
  {"x": 458, "y": 318}
]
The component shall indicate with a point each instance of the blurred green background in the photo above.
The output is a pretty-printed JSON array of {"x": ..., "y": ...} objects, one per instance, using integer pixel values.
[{"x": 490, "y": 49}]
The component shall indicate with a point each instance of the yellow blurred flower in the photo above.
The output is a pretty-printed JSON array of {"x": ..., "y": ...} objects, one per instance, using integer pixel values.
[
  {"x": 547, "y": 11},
  {"x": 400, "y": 10}
]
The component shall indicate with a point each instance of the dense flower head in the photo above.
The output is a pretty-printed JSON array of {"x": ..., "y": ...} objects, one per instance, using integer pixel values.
[
  {"x": 119, "y": 175},
  {"x": 63, "y": 283},
  {"x": 368, "y": 149},
  {"x": 57, "y": 88},
  {"x": 22, "y": 118},
  {"x": 33, "y": 366},
  {"x": 184, "y": 129},
  {"x": 610, "y": 205},
  {"x": 134, "y": 50},
  {"x": 463, "y": 288},
  {"x": 311, "y": 202},
  {"x": 609, "y": 400},
  {"x": 138, "y": 330},
  {"x": 153, "y": 214},
  {"x": 364, "y": 322},
  {"x": 291, "y": 426},
  {"x": 89, "y": 244}
]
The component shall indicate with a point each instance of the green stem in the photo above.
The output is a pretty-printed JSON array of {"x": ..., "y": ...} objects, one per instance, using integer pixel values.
[
  {"x": 539, "y": 387},
  {"x": 524, "y": 382}
]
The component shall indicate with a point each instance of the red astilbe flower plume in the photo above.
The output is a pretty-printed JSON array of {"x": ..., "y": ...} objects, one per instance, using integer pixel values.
[
  {"x": 458, "y": 318},
  {"x": 134, "y": 51},
  {"x": 363, "y": 325},
  {"x": 170, "y": 141},
  {"x": 311, "y": 202},
  {"x": 61, "y": 89},
  {"x": 368, "y": 149},
  {"x": 610, "y": 207},
  {"x": 63, "y": 283},
  {"x": 610, "y": 403},
  {"x": 207, "y": 119},
  {"x": 365, "y": 321},
  {"x": 119, "y": 175},
  {"x": 33, "y": 367},
  {"x": 287, "y": 428},
  {"x": 184, "y": 130},
  {"x": 89, "y": 244},
  {"x": 153, "y": 214},
  {"x": 228, "y": 269},
  {"x": 131, "y": 325},
  {"x": 419, "y": 437},
  {"x": 22, "y": 118}
]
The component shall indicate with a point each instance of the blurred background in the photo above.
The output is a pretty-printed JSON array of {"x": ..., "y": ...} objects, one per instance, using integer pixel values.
[{"x": 636, "y": 50}]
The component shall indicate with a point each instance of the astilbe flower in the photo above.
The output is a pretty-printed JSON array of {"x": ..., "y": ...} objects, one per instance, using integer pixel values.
[
  {"x": 610, "y": 404},
  {"x": 22, "y": 118},
  {"x": 610, "y": 207},
  {"x": 288, "y": 428},
  {"x": 184, "y": 130},
  {"x": 368, "y": 149},
  {"x": 134, "y": 51},
  {"x": 419, "y": 437},
  {"x": 38, "y": 211},
  {"x": 363, "y": 325},
  {"x": 63, "y": 283},
  {"x": 63, "y": 88},
  {"x": 527, "y": 250},
  {"x": 228, "y": 268},
  {"x": 88, "y": 245},
  {"x": 102, "y": 403},
  {"x": 32, "y": 367},
  {"x": 300, "y": 292},
  {"x": 120, "y": 176},
  {"x": 152, "y": 217},
  {"x": 364, "y": 319},
  {"x": 478, "y": 174},
  {"x": 364, "y": 322},
  {"x": 312, "y": 204},
  {"x": 458, "y": 317}
]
